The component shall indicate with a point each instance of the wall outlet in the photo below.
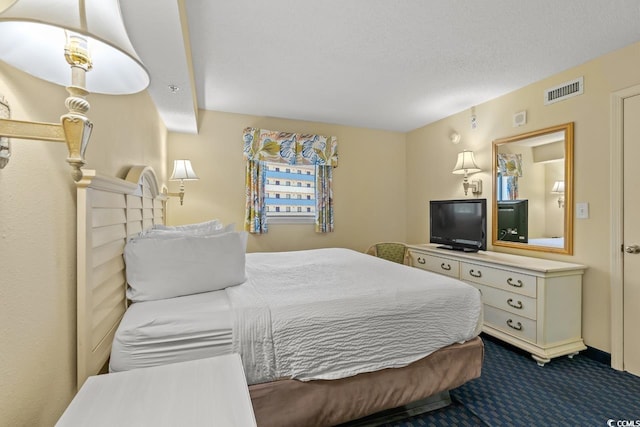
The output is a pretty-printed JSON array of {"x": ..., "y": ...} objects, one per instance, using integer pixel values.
[{"x": 582, "y": 210}]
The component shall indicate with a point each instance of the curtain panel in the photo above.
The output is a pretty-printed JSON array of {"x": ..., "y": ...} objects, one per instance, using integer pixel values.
[
  {"x": 255, "y": 220},
  {"x": 324, "y": 199},
  {"x": 512, "y": 187},
  {"x": 261, "y": 145}
]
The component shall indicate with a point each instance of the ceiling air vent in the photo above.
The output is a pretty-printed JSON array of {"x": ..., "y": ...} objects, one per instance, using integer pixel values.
[{"x": 564, "y": 91}]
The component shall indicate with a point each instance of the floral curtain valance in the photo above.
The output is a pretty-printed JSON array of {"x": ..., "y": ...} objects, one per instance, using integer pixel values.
[
  {"x": 290, "y": 148},
  {"x": 510, "y": 164}
]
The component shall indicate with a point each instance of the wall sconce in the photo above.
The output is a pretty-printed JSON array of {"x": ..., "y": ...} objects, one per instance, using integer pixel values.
[
  {"x": 182, "y": 171},
  {"x": 466, "y": 164},
  {"x": 45, "y": 39},
  {"x": 558, "y": 188}
]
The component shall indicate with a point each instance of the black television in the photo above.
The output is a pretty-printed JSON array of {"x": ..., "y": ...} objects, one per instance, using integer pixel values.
[
  {"x": 513, "y": 220},
  {"x": 459, "y": 224}
]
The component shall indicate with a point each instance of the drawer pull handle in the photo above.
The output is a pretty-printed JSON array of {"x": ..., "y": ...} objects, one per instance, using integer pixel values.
[
  {"x": 519, "y": 284},
  {"x": 516, "y": 305},
  {"x": 474, "y": 274},
  {"x": 518, "y": 327},
  {"x": 421, "y": 260},
  {"x": 445, "y": 266}
]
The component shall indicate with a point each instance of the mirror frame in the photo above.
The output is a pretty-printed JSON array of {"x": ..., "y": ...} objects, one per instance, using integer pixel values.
[{"x": 568, "y": 194}]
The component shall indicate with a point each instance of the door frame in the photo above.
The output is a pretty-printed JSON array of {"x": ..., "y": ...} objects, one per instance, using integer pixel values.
[{"x": 617, "y": 232}]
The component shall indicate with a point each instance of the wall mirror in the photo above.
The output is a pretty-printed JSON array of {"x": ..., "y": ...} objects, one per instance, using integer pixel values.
[{"x": 533, "y": 190}]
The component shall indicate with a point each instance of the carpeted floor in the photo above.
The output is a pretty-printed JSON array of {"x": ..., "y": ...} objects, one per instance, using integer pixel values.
[{"x": 514, "y": 391}]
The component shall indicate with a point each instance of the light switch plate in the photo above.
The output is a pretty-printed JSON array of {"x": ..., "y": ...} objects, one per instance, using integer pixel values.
[{"x": 582, "y": 210}]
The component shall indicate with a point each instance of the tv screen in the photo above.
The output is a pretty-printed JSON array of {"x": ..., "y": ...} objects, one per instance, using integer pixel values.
[{"x": 459, "y": 224}]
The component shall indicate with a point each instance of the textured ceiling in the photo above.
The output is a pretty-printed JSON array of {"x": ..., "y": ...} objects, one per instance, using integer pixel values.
[{"x": 382, "y": 64}]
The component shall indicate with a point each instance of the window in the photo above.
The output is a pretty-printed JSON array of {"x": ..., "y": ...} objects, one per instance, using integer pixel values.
[
  {"x": 314, "y": 155},
  {"x": 501, "y": 186},
  {"x": 505, "y": 187},
  {"x": 290, "y": 193}
]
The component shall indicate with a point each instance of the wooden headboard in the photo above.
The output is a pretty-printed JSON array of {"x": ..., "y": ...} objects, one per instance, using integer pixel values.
[{"x": 110, "y": 210}]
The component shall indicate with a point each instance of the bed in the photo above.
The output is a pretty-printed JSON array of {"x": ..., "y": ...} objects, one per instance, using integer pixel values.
[
  {"x": 554, "y": 242},
  {"x": 291, "y": 392}
]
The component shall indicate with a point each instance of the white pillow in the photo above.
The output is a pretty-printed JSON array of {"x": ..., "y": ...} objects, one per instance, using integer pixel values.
[
  {"x": 185, "y": 265},
  {"x": 195, "y": 231},
  {"x": 212, "y": 225}
]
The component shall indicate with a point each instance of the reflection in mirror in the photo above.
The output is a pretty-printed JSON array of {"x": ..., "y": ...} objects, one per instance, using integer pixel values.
[{"x": 533, "y": 190}]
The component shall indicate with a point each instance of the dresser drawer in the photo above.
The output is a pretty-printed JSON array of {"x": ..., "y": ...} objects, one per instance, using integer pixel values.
[
  {"x": 435, "y": 264},
  {"x": 510, "y": 323},
  {"x": 509, "y": 281},
  {"x": 508, "y": 301}
]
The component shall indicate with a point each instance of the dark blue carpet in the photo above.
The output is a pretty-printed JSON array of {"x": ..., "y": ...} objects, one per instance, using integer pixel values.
[{"x": 514, "y": 391}]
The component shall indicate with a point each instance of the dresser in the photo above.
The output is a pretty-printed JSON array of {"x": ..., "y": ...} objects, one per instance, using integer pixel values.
[
  {"x": 531, "y": 303},
  {"x": 205, "y": 392}
]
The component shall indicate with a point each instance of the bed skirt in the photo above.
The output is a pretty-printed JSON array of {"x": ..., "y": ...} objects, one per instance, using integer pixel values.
[{"x": 292, "y": 403}]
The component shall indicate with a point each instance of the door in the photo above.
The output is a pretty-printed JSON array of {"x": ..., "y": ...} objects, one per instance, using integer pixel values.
[{"x": 631, "y": 235}]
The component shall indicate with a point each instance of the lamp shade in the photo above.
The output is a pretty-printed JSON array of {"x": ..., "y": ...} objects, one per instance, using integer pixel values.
[
  {"x": 558, "y": 187},
  {"x": 182, "y": 170},
  {"x": 466, "y": 163},
  {"x": 33, "y": 35}
]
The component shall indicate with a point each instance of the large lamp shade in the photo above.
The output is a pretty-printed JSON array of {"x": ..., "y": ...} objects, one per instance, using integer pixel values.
[
  {"x": 182, "y": 170},
  {"x": 466, "y": 163},
  {"x": 558, "y": 187},
  {"x": 33, "y": 34}
]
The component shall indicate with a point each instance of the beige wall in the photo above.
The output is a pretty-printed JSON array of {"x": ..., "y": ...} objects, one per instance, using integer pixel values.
[
  {"x": 38, "y": 238},
  {"x": 431, "y": 156},
  {"x": 369, "y": 183}
]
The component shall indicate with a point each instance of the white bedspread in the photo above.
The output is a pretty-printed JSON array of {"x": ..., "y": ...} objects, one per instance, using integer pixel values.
[
  {"x": 334, "y": 313},
  {"x": 556, "y": 242},
  {"x": 172, "y": 330}
]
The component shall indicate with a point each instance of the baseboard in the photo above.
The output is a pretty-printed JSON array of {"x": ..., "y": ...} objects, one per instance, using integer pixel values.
[{"x": 597, "y": 355}]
